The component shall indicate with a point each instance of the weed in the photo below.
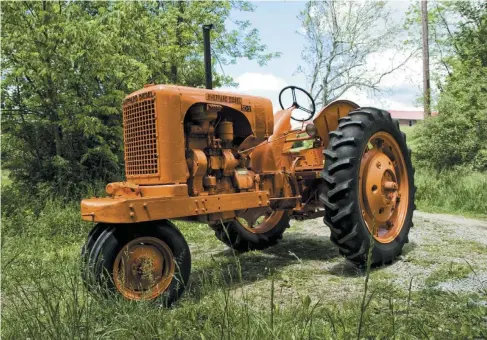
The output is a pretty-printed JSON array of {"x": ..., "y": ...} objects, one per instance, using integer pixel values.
[{"x": 449, "y": 271}]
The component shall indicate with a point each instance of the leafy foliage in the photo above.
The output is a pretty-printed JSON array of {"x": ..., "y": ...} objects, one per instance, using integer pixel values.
[
  {"x": 458, "y": 136},
  {"x": 67, "y": 65}
]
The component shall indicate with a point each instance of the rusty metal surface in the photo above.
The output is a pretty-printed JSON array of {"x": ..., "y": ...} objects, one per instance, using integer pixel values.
[
  {"x": 244, "y": 179},
  {"x": 252, "y": 107},
  {"x": 143, "y": 268},
  {"x": 198, "y": 166},
  {"x": 130, "y": 189},
  {"x": 259, "y": 220},
  {"x": 199, "y": 171}
]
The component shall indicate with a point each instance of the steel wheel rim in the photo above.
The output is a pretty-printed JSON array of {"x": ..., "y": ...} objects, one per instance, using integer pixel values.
[
  {"x": 383, "y": 187},
  {"x": 143, "y": 268},
  {"x": 263, "y": 223}
]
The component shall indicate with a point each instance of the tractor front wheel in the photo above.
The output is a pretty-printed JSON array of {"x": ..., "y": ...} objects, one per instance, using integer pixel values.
[
  {"x": 253, "y": 229},
  {"x": 150, "y": 261},
  {"x": 368, "y": 187}
]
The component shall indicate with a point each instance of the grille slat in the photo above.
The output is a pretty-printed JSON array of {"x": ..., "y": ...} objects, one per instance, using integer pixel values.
[{"x": 139, "y": 121}]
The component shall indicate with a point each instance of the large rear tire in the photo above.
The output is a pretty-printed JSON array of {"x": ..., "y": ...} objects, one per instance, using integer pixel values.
[
  {"x": 368, "y": 187},
  {"x": 262, "y": 232},
  {"x": 150, "y": 261}
]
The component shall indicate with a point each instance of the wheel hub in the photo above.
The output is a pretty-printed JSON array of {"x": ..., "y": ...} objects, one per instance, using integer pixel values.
[
  {"x": 380, "y": 186},
  {"x": 383, "y": 182},
  {"x": 144, "y": 268},
  {"x": 259, "y": 220}
]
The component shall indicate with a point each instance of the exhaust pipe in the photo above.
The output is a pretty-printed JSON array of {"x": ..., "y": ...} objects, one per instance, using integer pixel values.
[{"x": 206, "y": 45}]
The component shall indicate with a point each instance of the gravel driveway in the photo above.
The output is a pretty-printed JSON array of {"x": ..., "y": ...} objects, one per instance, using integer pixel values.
[{"x": 445, "y": 252}]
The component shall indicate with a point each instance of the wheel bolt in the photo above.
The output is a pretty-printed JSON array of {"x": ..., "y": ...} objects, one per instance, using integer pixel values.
[{"x": 378, "y": 165}]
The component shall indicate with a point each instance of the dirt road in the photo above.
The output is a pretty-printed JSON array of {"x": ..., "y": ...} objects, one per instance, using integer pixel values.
[{"x": 445, "y": 252}]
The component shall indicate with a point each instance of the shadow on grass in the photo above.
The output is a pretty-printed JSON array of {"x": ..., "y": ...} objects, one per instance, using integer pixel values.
[
  {"x": 348, "y": 269},
  {"x": 408, "y": 247},
  {"x": 229, "y": 269},
  {"x": 301, "y": 246}
]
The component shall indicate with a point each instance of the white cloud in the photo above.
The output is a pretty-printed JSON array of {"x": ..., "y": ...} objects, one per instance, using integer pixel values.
[
  {"x": 406, "y": 79},
  {"x": 407, "y": 74},
  {"x": 381, "y": 101},
  {"x": 259, "y": 82}
]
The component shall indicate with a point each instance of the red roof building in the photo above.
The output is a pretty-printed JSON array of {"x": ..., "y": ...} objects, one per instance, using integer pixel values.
[{"x": 409, "y": 117}]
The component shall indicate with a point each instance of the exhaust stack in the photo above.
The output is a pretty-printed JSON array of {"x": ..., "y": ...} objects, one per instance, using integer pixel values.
[{"x": 206, "y": 45}]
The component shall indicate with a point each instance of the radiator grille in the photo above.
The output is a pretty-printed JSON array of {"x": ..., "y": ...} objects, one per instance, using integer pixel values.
[{"x": 139, "y": 122}]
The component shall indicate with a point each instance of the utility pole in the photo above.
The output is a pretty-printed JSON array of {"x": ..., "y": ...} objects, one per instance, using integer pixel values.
[{"x": 426, "y": 62}]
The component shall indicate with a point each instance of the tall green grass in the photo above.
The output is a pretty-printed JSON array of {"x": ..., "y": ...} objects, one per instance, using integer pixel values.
[
  {"x": 48, "y": 301},
  {"x": 43, "y": 296},
  {"x": 454, "y": 192}
]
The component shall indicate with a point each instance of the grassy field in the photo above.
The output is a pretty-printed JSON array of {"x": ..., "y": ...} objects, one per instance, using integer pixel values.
[
  {"x": 298, "y": 289},
  {"x": 407, "y": 129}
]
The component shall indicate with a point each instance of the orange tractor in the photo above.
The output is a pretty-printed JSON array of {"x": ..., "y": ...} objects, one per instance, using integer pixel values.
[{"x": 226, "y": 160}]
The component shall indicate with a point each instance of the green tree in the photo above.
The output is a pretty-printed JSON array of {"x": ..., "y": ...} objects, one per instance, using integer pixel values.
[
  {"x": 458, "y": 136},
  {"x": 67, "y": 65}
]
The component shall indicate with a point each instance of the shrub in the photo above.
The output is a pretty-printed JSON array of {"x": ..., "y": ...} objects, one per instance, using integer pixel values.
[
  {"x": 458, "y": 136},
  {"x": 460, "y": 191}
]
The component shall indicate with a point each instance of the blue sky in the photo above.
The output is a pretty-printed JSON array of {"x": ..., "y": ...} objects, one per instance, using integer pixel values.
[{"x": 278, "y": 25}]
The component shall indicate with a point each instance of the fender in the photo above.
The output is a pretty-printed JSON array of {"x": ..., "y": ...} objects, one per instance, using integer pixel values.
[{"x": 327, "y": 119}]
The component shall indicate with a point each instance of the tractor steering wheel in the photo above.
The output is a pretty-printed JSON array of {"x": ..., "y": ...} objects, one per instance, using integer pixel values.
[{"x": 295, "y": 104}]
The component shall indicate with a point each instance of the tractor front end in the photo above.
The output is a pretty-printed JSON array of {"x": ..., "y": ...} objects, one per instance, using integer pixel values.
[{"x": 181, "y": 157}]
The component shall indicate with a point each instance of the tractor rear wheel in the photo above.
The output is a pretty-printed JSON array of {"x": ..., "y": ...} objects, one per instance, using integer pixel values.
[
  {"x": 150, "y": 261},
  {"x": 368, "y": 187},
  {"x": 253, "y": 229}
]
